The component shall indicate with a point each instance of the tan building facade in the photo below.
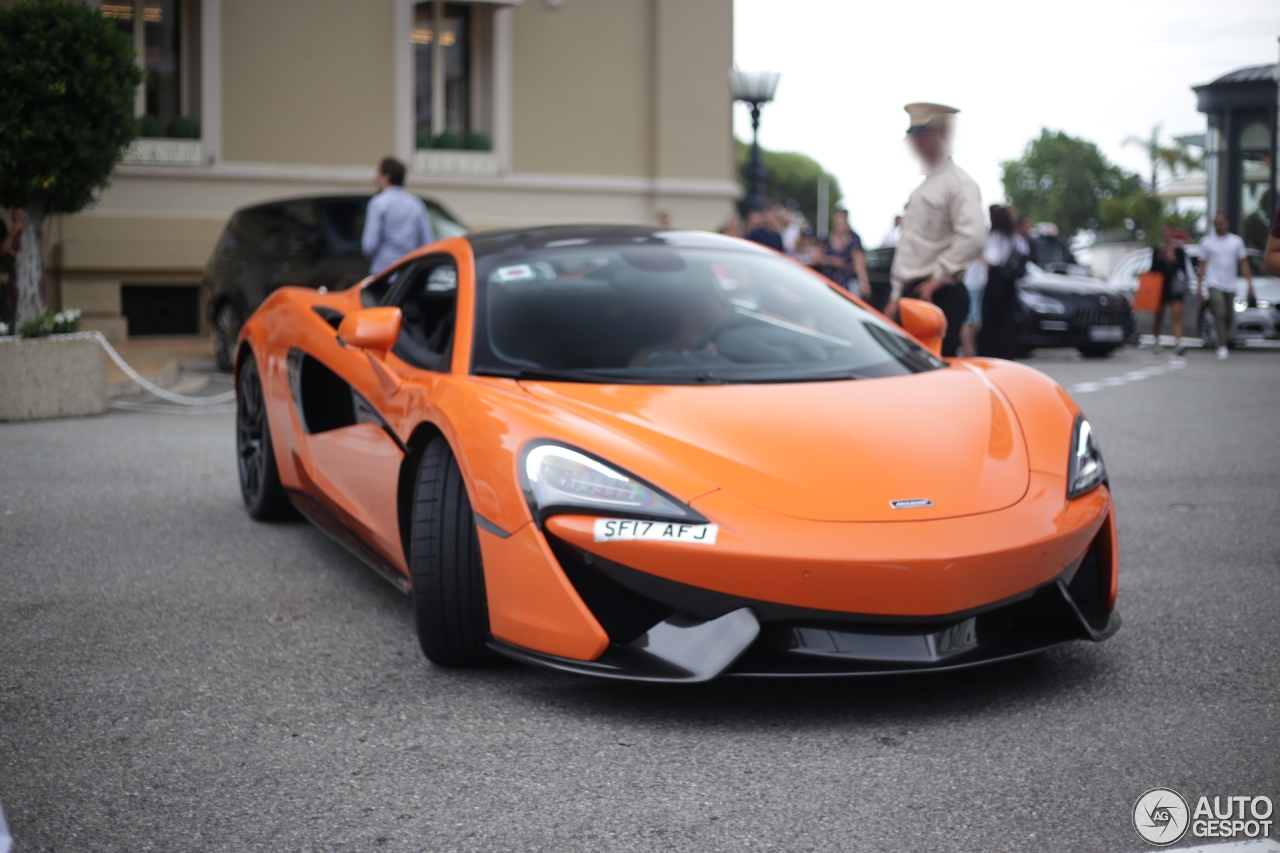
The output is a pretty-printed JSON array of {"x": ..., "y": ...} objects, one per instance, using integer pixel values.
[{"x": 508, "y": 113}]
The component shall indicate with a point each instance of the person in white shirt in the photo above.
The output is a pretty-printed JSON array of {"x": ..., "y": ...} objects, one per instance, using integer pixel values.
[
  {"x": 893, "y": 235},
  {"x": 1221, "y": 254},
  {"x": 943, "y": 229},
  {"x": 396, "y": 222}
]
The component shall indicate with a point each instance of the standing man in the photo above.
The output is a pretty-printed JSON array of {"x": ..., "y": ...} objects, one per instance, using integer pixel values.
[
  {"x": 942, "y": 227},
  {"x": 763, "y": 227},
  {"x": 1221, "y": 254},
  {"x": 396, "y": 222}
]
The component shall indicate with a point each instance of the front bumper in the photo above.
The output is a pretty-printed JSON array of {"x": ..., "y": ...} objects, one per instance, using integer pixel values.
[
  {"x": 1256, "y": 324},
  {"x": 1084, "y": 327},
  {"x": 664, "y": 631}
]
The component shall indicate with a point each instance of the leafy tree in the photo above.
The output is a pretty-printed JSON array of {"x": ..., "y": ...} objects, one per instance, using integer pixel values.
[
  {"x": 1064, "y": 179},
  {"x": 791, "y": 177},
  {"x": 67, "y": 81},
  {"x": 1138, "y": 211}
]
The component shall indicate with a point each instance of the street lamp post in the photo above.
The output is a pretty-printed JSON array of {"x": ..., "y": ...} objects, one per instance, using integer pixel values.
[{"x": 755, "y": 89}]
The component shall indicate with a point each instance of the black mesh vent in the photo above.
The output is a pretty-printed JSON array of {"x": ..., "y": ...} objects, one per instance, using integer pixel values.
[{"x": 623, "y": 614}]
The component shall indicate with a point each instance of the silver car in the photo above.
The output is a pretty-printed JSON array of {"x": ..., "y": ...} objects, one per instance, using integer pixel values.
[{"x": 1261, "y": 322}]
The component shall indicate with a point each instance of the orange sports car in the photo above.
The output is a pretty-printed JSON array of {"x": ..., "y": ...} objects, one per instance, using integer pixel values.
[{"x": 669, "y": 455}]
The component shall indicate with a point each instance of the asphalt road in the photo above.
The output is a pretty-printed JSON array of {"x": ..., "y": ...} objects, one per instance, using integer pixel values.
[{"x": 175, "y": 676}]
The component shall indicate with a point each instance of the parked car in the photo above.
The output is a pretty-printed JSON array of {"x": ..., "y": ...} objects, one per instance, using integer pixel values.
[
  {"x": 303, "y": 242},
  {"x": 1051, "y": 253},
  {"x": 1260, "y": 322},
  {"x": 1055, "y": 309}
]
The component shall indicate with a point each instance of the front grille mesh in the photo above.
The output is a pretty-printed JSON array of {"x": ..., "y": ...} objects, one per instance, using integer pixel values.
[{"x": 1086, "y": 317}]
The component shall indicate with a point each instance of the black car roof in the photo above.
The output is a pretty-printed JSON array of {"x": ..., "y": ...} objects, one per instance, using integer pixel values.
[
  {"x": 335, "y": 197},
  {"x": 543, "y": 237}
]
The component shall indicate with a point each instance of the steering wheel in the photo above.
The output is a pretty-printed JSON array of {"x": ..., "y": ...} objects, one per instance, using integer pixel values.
[{"x": 720, "y": 328}]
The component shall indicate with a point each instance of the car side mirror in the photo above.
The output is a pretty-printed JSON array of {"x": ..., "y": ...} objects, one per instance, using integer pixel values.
[
  {"x": 925, "y": 321},
  {"x": 373, "y": 329}
]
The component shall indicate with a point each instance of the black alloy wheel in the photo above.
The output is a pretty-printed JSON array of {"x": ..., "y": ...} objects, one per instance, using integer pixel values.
[
  {"x": 226, "y": 331},
  {"x": 260, "y": 487}
]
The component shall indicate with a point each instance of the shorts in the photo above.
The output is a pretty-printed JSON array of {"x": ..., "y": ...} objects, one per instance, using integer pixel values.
[{"x": 975, "y": 305}]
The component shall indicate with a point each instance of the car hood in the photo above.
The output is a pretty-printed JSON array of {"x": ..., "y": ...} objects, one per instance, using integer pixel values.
[
  {"x": 1075, "y": 284},
  {"x": 828, "y": 451}
]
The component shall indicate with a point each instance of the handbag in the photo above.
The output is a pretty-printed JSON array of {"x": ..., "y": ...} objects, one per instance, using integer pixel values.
[{"x": 1015, "y": 266}]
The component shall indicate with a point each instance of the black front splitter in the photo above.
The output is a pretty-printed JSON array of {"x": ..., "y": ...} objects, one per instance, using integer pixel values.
[{"x": 684, "y": 649}]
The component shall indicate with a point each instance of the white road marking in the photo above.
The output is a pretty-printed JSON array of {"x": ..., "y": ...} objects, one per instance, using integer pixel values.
[
  {"x": 1131, "y": 376},
  {"x": 1255, "y": 845}
]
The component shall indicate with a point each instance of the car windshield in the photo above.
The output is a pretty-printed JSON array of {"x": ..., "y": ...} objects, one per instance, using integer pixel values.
[{"x": 653, "y": 313}]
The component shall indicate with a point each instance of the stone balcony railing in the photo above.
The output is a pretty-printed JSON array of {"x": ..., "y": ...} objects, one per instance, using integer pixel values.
[
  {"x": 461, "y": 164},
  {"x": 164, "y": 152}
]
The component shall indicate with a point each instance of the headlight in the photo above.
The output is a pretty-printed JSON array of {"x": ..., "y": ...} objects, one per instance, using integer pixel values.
[
  {"x": 1086, "y": 470},
  {"x": 1040, "y": 303},
  {"x": 1241, "y": 303},
  {"x": 557, "y": 477}
]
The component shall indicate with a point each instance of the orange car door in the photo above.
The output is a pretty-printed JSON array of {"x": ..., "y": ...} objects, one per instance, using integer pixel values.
[{"x": 352, "y": 401}]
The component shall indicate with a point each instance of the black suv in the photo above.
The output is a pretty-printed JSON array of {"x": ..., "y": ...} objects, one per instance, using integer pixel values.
[
  {"x": 1055, "y": 309},
  {"x": 301, "y": 242}
]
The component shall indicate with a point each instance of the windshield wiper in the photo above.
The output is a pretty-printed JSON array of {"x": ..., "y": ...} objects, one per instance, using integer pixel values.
[{"x": 835, "y": 376}]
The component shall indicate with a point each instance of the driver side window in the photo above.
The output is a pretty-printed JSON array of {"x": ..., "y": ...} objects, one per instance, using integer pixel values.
[{"x": 426, "y": 295}]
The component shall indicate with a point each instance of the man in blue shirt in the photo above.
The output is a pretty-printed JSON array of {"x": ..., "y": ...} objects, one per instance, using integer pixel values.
[{"x": 396, "y": 222}]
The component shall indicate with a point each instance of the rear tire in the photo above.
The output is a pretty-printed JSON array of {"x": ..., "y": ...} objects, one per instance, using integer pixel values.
[
  {"x": 449, "y": 601},
  {"x": 226, "y": 333},
  {"x": 260, "y": 487}
]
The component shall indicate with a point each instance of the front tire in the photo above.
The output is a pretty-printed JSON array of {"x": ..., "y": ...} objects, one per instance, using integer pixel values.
[
  {"x": 260, "y": 486},
  {"x": 449, "y": 600},
  {"x": 1097, "y": 350}
]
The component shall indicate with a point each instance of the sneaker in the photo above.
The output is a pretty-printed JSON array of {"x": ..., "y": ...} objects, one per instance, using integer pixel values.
[
  {"x": 1179, "y": 349},
  {"x": 1156, "y": 349},
  {"x": 1222, "y": 353}
]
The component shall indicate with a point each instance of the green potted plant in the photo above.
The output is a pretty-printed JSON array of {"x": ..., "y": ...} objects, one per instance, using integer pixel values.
[{"x": 67, "y": 83}]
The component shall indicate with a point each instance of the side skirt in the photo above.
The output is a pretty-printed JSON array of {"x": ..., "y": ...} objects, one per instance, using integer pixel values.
[{"x": 337, "y": 530}]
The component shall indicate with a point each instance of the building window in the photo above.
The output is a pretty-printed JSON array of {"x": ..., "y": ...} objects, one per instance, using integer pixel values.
[
  {"x": 1254, "y": 178},
  {"x": 450, "y": 55},
  {"x": 165, "y": 36}
]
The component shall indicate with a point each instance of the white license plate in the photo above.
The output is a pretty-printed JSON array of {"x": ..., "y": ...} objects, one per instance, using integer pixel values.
[
  {"x": 1106, "y": 333},
  {"x": 630, "y": 529}
]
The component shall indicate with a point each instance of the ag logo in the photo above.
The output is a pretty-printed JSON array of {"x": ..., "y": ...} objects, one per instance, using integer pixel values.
[{"x": 1161, "y": 816}]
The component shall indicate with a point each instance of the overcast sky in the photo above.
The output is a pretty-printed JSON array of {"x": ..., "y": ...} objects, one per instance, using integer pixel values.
[{"x": 1100, "y": 69}]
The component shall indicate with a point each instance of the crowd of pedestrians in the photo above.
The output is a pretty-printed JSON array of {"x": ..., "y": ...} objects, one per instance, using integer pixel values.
[
  {"x": 839, "y": 255},
  {"x": 969, "y": 265}
]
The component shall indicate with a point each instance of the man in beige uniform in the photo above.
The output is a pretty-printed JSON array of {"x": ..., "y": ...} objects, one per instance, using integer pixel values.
[{"x": 942, "y": 227}]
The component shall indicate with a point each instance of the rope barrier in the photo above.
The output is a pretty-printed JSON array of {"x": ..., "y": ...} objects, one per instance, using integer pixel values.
[{"x": 143, "y": 382}]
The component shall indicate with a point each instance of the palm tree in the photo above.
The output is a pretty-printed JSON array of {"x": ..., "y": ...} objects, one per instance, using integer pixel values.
[
  {"x": 1151, "y": 146},
  {"x": 1175, "y": 158}
]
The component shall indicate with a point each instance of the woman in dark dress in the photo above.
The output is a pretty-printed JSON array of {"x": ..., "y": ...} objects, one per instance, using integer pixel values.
[
  {"x": 1170, "y": 260},
  {"x": 843, "y": 259},
  {"x": 998, "y": 335}
]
